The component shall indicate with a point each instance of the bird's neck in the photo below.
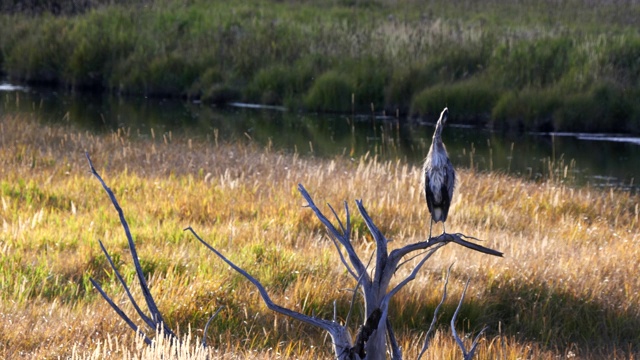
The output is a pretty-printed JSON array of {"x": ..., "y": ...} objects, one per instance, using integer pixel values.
[
  {"x": 438, "y": 148},
  {"x": 437, "y": 139},
  {"x": 437, "y": 134}
]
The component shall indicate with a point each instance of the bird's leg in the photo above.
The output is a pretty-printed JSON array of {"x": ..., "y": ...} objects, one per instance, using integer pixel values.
[
  {"x": 444, "y": 230},
  {"x": 430, "y": 226}
]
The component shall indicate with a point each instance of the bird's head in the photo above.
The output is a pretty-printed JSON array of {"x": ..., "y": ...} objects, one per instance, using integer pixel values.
[
  {"x": 443, "y": 116},
  {"x": 443, "y": 119}
]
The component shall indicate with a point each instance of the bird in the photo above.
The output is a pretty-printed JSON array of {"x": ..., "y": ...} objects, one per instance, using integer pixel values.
[{"x": 439, "y": 176}]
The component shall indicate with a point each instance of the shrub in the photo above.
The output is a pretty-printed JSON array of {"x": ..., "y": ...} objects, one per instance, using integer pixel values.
[
  {"x": 36, "y": 53},
  {"x": 362, "y": 79},
  {"x": 470, "y": 100},
  {"x": 404, "y": 83},
  {"x": 455, "y": 63},
  {"x": 100, "y": 41},
  {"x": 622, "y": 61},
  {"x": 606, "y": 108},
  {"x": 332, "y": 91},
  {"x": 172, "y": 74},
  {"x": 370, "y": 77},
  {"x": 537, "y": 63},
  {"x": 531, "y": 109}
]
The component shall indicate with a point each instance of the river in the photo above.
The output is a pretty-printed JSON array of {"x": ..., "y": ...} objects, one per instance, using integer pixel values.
[{"x": 601, "y": 160}]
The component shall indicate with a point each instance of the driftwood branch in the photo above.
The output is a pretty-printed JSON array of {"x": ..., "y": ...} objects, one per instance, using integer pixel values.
[{"x": 397, "y": 254}]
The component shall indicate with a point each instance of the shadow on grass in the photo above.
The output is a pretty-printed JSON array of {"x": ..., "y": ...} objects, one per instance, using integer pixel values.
[{"x": 554, "y": 319}]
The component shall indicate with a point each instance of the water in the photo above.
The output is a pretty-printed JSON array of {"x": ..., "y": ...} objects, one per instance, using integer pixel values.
[{"x": 580, "y": 159}]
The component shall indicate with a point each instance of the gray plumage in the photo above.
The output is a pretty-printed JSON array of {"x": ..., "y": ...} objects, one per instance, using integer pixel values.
[{"x": 439, "y": 175}]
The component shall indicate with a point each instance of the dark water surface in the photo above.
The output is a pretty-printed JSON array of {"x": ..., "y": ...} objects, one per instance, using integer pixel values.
[{"x": 596, "y": 160}]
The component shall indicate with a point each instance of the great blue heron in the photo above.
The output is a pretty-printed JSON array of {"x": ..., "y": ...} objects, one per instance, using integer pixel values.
[{"x": 439, "y": 176}]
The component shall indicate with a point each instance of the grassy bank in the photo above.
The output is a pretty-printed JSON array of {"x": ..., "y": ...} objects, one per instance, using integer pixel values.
[
  {"x": 567, "y": 284},
  {"x": 543, "y": 65}
]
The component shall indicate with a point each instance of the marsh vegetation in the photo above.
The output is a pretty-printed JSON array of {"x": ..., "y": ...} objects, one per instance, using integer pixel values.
[
  {"x": 543, "y": 65},
  {"x": 566, "y": 287}
]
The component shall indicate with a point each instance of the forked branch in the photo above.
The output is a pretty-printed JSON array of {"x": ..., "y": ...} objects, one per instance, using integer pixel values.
[
  {"x": 467, "y": 355},
  {"x": 343, "y": 238},
  {"x": 154, "y": 321}
]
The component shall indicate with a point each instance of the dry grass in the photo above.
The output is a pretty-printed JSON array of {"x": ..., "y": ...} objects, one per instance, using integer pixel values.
[{"x": 568, "y": 284}]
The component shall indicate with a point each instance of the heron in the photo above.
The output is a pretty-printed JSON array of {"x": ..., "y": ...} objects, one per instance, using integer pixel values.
[{"x": 439, "y": 176}]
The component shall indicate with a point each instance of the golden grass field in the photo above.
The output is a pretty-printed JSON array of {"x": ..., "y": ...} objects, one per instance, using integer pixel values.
[{"x": 567, "y": 286}]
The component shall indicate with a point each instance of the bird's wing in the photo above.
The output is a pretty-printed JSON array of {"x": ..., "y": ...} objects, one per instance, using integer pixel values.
[
  {"x": 446, "y": 201},
  {"x": 428, "y": 193},
  {"x": 447, "y": 189},
  {"x": 450, "y": 178}
]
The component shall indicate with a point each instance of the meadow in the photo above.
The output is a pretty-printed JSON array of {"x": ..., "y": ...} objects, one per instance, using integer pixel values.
[
  {"x": 567, "y": 286},
  {"x": 542, "y": 65}
]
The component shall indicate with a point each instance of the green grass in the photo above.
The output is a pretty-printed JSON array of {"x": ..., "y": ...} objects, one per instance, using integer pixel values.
[
  {"x": 567, "y": 284},
  {"x": 345, "y": 56}
]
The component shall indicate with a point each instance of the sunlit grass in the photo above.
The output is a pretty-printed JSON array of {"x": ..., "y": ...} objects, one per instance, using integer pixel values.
[{"x": 567, "y": 285}]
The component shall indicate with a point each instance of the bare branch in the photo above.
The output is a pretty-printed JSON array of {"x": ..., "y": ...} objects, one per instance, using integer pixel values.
[
  {"x": 468, "y": 237},
  {"x": 144, "y": 317},
  {"x": 156, "y": 317},
  {"x": 381, "y": 242},
  {"x": 119, "y": 311},
  {"x": 355, "y": 293},
  {"x": 408, "y": 260},
  {"x": 453, "y": 322},
  {"x": 343, "y": 260},
  {"x": 353, "y": 300},
  {"x": 474, "y": 345},
  {"x": 466, "y": 355},
  {"x": 347, "y": 233},
  {"x": 339, "y": 335},
  {"x": 387, "y": 298},
  {"x": 377, "y": 234},
  {"x": 397, "y": 254},
  {"x": 344, "y": 238},
  {"x": 206, "y": 327},
  {"x": 344, "y": 231},
  {"x": 396, "y": 352},
  {"x": 458, "y": 240},
  {"x": 435, "y": 315}
]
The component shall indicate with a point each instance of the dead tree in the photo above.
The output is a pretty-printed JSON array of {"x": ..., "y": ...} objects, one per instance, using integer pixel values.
[
  {"x": 371, "y": 340},
  {"x": 371, "y": 343}
]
